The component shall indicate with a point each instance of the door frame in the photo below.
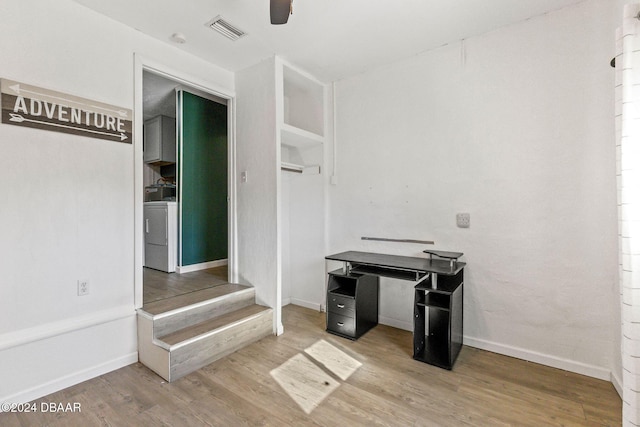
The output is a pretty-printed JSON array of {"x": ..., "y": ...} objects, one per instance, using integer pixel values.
[{"x": 142, "y": 64}]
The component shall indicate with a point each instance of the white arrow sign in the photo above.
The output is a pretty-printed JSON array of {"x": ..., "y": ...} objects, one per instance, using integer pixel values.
[
  {"x": 36, "y": 107},
  {"x": 19, "y": 119}
]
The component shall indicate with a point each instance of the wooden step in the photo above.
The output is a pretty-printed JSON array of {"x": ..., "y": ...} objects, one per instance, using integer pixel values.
[
  {"x": 190, "y": 309},
  {"x": 175, "y": 303},
  {"x": 198, "y": 346},
  {"x": 186, "y": 335},
  {"x": 180, "y": 336}
]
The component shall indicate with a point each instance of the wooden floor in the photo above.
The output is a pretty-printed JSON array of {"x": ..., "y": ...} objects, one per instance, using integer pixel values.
[
  {"x": 390, "y": 388},
  {"x": 158, "y": 285}
]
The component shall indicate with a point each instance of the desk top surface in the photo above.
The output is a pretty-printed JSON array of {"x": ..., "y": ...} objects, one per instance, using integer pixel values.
[{"x": 439, "y": 266}]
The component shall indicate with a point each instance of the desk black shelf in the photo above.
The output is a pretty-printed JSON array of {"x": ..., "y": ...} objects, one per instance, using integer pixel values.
[
  {"x": 437, "y": 321},
  {"x": 388, "y": 272},
  {"x": 432, "y": 299},
  {"x": 388, "y": 265},
  {"x": 352, "y": 294},
  {"x": 434, "y": 351}
]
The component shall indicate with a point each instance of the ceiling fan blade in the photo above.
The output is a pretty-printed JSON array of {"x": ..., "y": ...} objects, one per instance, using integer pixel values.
[{"x": 280, "y": 10}]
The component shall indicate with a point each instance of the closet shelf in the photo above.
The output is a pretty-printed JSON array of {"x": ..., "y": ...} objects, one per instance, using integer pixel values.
[
  {"x": 295, "y": 168},
  {"x": 295, "y": 137}
]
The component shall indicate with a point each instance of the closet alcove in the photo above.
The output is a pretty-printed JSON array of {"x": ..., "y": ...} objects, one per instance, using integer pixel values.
[{"x": 282, "y": 122}]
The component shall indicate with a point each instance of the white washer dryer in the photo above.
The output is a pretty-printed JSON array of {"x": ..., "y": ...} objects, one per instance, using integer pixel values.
[{"x": 161, "y": 235}]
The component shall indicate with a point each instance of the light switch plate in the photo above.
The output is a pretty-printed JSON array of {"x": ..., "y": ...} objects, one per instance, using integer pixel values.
[{"x": 463, "y": 220}]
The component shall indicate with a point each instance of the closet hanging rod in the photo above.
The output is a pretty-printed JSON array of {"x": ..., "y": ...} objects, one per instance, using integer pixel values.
[
  {"x": 382, "y": 239},
  {"x": 288, "y": 169}
]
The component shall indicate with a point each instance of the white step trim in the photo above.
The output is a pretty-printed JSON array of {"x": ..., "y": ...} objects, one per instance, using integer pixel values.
[{"x": 149, "y": 354}]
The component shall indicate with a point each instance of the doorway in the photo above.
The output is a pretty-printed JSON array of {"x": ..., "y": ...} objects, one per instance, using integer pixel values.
[{"x": 200, "y": 173}]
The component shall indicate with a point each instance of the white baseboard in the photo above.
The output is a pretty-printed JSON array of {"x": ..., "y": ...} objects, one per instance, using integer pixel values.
[
  {"x": 71, "y": 379},
  {"x": 286, "y": 301},
  {"x": 543, "y": 359},
  {"x": 617, "y": 384},
  {"x": 202, "y": 266},
  {"x": 395, "y": 323},
  {"x": 83, "y": 347},
  {"x": 306, "y": 304}
]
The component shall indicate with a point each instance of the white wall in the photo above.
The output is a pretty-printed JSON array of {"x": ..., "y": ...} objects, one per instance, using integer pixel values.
[
  {"x": 616, "y": 370},
  {"x": 68, "y": 210},
  {"x": 305, "y": 210},
  {"x": 515, "y": 127},
  {"x": 256, "y": 152}
]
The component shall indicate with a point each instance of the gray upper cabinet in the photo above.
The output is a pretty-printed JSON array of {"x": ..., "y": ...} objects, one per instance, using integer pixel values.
[{"x": 160, "y": 140}]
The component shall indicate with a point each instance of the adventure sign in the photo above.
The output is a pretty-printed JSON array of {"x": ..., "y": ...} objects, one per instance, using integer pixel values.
[{"x": 31, "y": 106}]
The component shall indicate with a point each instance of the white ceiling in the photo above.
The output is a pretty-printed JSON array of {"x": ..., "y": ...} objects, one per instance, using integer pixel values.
[{"x": 331, "y": 39}]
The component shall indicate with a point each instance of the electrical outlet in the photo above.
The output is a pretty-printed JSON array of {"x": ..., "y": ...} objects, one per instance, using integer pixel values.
[
  {"x": 463, "y": 220},
  {"x": 83, "y": 287}
]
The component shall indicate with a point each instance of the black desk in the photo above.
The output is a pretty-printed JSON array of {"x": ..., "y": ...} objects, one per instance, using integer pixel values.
[{"x": 352, "y": 299}]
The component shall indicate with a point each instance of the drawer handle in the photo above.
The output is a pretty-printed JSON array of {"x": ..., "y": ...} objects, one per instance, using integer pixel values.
[
  {"x": 340, "y": 324},
  {"x": 340, "y": 305}
]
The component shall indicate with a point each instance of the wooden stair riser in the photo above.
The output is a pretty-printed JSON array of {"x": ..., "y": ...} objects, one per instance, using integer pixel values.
[
  {"x": 167, "y": 323},
  {"x": 185, "y": 359}
]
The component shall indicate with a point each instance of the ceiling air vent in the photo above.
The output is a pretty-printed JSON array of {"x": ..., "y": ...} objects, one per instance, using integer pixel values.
[{"x": 225, "y": 28}]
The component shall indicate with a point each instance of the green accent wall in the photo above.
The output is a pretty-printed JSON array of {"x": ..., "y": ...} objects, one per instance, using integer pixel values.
[{"x": 204, "y": 180}]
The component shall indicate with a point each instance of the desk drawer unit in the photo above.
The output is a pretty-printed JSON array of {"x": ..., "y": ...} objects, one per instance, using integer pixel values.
[
  {"x": 352, "y": 304},
  {"x": 343, "y": 325},
  {"x": 342, "y": 305}
]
